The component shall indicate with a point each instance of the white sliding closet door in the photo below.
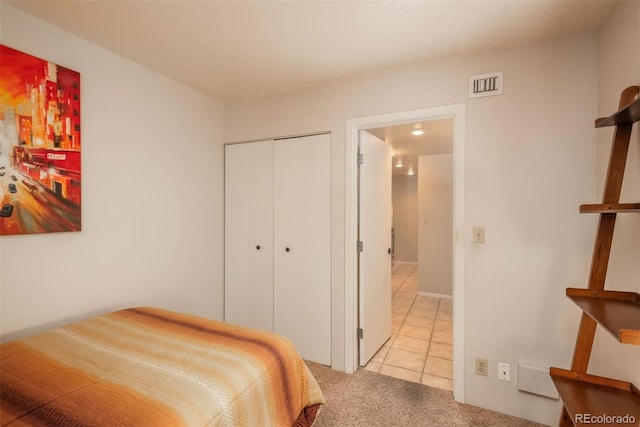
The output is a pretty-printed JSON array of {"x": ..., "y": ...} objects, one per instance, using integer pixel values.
[
  {"x": 249, "y": 234},
  {"x": 302, "y": 238}
]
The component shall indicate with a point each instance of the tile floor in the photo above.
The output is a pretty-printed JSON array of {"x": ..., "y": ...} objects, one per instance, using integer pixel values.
[{"x": 420, "y": 349}]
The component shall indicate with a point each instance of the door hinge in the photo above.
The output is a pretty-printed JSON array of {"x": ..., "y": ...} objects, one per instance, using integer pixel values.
[
  {"x": 360, "y": 246},
  {"x": 360, "y": 159},
  {"x": 360, "y": 333}
]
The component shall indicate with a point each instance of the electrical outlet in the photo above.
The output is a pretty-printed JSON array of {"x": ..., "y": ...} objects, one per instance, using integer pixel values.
[
  {"x": 482, "y": 366},
  {"x": 504, "y": 371}
]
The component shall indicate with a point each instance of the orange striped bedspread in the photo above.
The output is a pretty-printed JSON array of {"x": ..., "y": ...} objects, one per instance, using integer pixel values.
[{"x": 151, "y": 367}]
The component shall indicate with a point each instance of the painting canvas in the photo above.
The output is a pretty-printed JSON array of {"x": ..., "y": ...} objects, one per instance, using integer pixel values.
[{"x": 40, "y": 144}]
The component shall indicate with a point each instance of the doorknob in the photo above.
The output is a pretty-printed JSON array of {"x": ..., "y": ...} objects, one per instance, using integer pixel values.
[
  {"x": 287, "y": 249},
  {"x": 389, "y": 251},
  {"x": 258, "y": 247}
]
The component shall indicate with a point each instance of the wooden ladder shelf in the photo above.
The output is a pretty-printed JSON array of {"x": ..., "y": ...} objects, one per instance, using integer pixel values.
[{"x": 585, "y": 396}]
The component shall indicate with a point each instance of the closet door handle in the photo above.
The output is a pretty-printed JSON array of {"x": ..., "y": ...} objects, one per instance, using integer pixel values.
[
  {"x": 258, "y": 247},
  {"x": 287, "y": 249}
]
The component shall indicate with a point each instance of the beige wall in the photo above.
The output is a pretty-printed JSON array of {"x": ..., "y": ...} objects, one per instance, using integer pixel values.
[
  {"x": 530, "y": 149},
  {"x": 619, "y": 51},
  {"x": 405, "y": 217},
  {"x": 524, "y": 150},
  {"x": 435, "y": 205},
  {"x": 152, "y": 207}
]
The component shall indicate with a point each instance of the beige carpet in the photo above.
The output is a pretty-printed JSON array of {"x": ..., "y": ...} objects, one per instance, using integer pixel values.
[{"x": 370, "y": 399}]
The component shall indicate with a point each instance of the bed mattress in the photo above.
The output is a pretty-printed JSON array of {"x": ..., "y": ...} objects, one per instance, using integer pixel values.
[{"x": 151, "y": 367}]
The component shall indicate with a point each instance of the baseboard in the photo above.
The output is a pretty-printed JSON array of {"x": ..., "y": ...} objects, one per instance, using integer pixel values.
[
  {"x": 432, "y": 295},
  {"x": 405, "y": 262}
]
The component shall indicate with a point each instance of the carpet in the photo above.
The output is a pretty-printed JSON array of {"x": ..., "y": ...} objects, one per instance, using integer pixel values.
[{"x": 371, "y": 399}]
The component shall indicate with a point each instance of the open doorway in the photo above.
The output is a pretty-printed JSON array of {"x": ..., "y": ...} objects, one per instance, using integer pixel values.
[
  {"x": 421, "y": 346},
  {"x": 456, "y": 114}
]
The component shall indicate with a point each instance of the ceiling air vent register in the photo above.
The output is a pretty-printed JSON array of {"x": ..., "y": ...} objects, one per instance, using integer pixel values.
[{"x": 485, "y": 85}]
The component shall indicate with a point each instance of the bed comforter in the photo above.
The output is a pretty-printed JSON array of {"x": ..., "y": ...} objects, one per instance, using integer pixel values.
[{"x": 151, "y": 367}]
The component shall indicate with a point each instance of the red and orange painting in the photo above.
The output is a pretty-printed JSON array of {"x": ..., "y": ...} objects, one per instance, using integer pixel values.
[{"x": 39, "y": 145}]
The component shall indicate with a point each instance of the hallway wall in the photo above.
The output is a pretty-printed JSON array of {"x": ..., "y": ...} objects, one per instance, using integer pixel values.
[
  {"x": 405, "y": 217},
  {"x": 435, "y": 214}
]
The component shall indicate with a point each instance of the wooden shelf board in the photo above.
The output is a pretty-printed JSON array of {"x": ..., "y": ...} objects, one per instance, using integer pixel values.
[
  {"x": 625, "y": 116},
  {"x": 617, "y": 312},
  {"x": 584, "y": 394},
  {"x": 611, "y": 208}
]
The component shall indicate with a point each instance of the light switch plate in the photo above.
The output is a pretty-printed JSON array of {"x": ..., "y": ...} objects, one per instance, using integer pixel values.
[{"x": 478, "y": 234}]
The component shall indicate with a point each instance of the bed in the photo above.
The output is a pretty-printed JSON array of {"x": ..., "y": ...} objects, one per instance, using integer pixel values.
[{"x": 151, "y": 367}]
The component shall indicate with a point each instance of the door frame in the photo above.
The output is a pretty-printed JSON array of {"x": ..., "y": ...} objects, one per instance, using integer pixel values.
[{"x": 353, "y": 126}]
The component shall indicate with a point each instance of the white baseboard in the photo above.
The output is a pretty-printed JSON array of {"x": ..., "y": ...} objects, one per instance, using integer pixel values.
[
  {"x": 432, "y": 295},
  {"x": 405, "y": 262}
]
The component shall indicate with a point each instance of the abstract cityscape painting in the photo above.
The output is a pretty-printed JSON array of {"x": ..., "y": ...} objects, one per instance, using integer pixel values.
[{"x": 40, "y": 185}]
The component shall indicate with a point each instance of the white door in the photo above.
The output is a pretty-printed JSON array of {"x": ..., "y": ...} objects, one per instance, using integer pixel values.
[
  {"x": 302, "y": 244},
  {"x": 249, "y": 234},
  {"x": 374, "y": 261}
]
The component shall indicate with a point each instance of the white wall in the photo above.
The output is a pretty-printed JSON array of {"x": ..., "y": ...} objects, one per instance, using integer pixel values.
[
  {"x": 530, "y": 157},
  {"x": 404, "y": 191},
  {"x": 153, "y": 226},
  {"x": 152, "y": 188},
  {"x": 619, "y": 51},
  {"x": 435, "y": 204}
]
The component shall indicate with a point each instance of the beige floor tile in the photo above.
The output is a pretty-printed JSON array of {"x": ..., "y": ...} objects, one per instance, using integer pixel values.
[
  {"x": 439, "y": 367},
  {"x": 420, "y": 325},
  {"x": 442, "y": 350},
  {"x": 403, "y": 298},
  {"x": 401, "y": 303},
  {"x": 395, "y": 327},
  {"x": 405, "y": 359},
  {"x": 443, "y": 325},
  {"x": 415, "y": 345},
  {"x": 426, "y": 302},
  {"x": 446, "y": 305},
  {"x": 380, "y": 355},
  {"x": 438, "y": 382},
  {"x": 423, "y": 322},
  {"x": 415, "y": 331},
  {"x": 404, "y": 374},
  {"x": 440, "y": 336},
  {"x": 398, "y": 317},
  {"x": 444, "y": 315},
  {"x": 373, "y": 366},
  {"x": 423, "y": 312},
  {"x": 399, "y": 312},
  {"x": 401, "y": 308}
]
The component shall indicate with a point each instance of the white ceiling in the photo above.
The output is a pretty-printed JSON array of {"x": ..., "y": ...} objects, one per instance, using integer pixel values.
[
  {"x": 235, "y": 50},
  {"x": 436, "y": 139}
]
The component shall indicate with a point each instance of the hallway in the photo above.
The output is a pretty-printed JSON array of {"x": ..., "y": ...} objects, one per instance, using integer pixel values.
[{"x": 420, "y": 348}]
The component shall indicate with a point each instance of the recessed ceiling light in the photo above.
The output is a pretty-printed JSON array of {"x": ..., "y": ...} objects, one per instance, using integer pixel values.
[
  {"x": 410, "y": 171},
  {"x": 399, "y": 164},
  {"x": 417, "y": 132}
]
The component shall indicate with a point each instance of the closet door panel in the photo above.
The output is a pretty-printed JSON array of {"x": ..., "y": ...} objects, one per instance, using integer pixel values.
[
  {"x": 249, "y": 234},
  {"x": 302, "y": 275}
]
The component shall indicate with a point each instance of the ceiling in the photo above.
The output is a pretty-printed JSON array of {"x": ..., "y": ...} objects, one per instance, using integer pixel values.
[
  {"x": 236, "y": 50},
  {"x": 437, "y": 138}
]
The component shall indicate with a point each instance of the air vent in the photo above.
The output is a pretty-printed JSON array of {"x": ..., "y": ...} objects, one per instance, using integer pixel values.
[{"x": 485, "y": 85}]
